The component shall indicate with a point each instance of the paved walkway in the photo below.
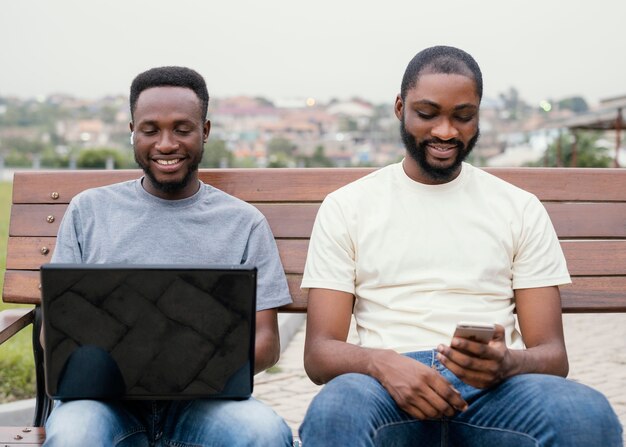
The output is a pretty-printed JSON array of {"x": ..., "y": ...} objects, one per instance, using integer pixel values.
[{"x": 596, "y": 346}]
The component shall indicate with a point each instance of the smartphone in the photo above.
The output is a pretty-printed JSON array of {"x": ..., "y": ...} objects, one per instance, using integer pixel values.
[{"x": 482, "y": 332}]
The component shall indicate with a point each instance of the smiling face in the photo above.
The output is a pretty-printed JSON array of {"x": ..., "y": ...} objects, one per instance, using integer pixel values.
[
  {"x": 439, "y": 126},
  {"x": 169, "y": 137}
]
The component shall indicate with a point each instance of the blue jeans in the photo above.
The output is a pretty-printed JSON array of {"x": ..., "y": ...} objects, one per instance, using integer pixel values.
[
  {"x": 166, "y": 423},
  {"x": 526, "y": 410}
]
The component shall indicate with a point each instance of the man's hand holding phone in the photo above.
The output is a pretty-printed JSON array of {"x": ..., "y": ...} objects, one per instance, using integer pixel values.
[{"x": 477, "y": 354}]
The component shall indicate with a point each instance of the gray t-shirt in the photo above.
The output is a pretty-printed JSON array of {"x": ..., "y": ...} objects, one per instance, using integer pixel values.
[{"x": 122, "y": 223}]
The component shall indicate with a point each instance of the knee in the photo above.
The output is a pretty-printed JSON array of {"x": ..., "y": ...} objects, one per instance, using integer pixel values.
[
  {"x": 80, "y": 423},
  {"x": 345, "y": 391},
  {"x": 577, "y": 411},
  {"x": 233, "y": 423},
  {"x": 264, "y": 429},
  {"x": 578, "y": 402},
  {"x": 590, "y": 411},
  {"x": 347, "y": 403}
]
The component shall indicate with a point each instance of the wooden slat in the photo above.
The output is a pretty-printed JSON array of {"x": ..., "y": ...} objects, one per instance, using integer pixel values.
[
  {"x": 298, "y": 296},
  {"x": 24, "y": 253},
  {"x": 588, "y": 220},
  {"x": 268, "y": 185},
  {"x": 286, "y": 220},
  {"x": 594, "y": 294},
  {"x": 586, "y": 294},
  {"x": 293, "y": 254},
  {"x": 56, "y": 186},
  {"x": 593, "y": 258},
  {"x": 567, "y": 184},
  {"x": 251, "y": 185},
  {"x": 36, "y": 220},
  {"x": 571, "y": 220},
  {"x": 290, "y": 220},
  {"x": 282, "y": 185},
  {"x": 21, "y": 287},
  {"x": 584, "y": 257},
  {"x": 22, "y": 436}
]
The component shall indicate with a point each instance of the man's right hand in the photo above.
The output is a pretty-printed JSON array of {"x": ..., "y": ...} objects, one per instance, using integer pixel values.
[{"x": 417, "y": 389}]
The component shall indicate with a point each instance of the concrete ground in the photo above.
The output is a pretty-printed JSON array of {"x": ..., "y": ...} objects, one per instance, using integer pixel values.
[{"x": 596, "y": 345}]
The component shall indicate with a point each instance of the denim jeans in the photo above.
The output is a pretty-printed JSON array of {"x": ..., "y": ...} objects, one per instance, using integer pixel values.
[
  {"x": 166, "y": 423},
  {"x": 525, "y": 410}
]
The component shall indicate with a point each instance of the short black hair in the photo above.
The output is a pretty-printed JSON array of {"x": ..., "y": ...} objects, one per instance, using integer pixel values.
[
  {"x": 441, "y": 59},
  {"x": 170, "y": 77}
]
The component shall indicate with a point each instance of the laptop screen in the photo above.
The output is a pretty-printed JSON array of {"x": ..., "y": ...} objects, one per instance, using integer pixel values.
[{"x": 148, "y": 332}]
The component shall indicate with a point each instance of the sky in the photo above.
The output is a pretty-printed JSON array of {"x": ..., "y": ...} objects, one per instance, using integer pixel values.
[{"x": 324, "y": 49}]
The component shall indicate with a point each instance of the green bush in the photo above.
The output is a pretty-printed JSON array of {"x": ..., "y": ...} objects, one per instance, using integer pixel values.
[
  {"x": 17, "y": 370},
  {"x": 97, "y": 158}
]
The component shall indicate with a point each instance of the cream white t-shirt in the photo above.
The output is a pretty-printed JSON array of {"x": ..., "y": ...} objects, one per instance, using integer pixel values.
[{"x": 419, "y": 258}]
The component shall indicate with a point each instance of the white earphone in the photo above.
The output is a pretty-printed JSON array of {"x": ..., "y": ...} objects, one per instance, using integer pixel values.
[{"x": 132, "y": 138}]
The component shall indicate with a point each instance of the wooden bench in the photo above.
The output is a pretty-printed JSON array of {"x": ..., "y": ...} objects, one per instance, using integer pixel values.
[{"x": 587, "y": 207}]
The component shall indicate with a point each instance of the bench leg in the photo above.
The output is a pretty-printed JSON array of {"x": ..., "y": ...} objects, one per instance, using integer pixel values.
[{"x": 43, "y": 404}]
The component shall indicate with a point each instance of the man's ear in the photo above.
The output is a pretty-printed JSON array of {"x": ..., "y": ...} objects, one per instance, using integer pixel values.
[
  {"x": 206, "y": 129},
  {"x": 398, "y": 107},
  {"x": 131, "y": 126}
]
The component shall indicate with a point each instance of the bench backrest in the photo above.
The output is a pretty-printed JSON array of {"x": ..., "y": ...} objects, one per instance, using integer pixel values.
[{"x": 587, "y": 208}]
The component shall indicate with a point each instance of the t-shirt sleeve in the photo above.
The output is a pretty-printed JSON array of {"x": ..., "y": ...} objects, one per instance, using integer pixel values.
[
  {"x": 539, "y": 259},
  {"x": 67, "y": 247},
  {"x": 331, "y": 258},
  {"x": 262, "y": 253}
]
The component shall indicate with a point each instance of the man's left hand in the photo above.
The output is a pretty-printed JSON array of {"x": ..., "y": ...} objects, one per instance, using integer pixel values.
[{"x": 481, "y": 365}]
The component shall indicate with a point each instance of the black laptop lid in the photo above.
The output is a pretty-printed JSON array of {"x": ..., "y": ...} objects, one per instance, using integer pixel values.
[{"x": 148, "y": 332}]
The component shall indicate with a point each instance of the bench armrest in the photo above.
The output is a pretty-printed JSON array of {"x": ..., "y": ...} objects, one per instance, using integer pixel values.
[{"x": 14, "y": 320}]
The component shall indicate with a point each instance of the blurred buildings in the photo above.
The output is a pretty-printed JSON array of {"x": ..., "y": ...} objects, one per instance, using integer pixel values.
[{"x": 258, "y": 132}]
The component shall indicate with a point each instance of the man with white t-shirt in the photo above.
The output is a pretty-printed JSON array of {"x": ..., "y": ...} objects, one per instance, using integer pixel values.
[{"x": 413, "y": 249}]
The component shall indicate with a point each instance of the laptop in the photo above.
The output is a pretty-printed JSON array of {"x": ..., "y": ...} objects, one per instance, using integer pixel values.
[{"x": 148, "y": 331}]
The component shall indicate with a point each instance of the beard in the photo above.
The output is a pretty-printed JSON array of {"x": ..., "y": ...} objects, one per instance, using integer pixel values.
[
  {"x": 417, "y": 151},
  {"x": 175, "y": 185}
]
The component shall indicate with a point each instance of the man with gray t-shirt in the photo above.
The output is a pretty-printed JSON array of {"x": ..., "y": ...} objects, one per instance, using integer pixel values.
[{"x": 170, "y": 216}]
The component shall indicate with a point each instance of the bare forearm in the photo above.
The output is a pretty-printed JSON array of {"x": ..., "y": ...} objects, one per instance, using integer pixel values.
[
  {"x": 267, "y": 342},
  {"x": 542, "y": 359},
  {"x": 327, "y": 359},
  {"x": 266, "y": 352},
  {"x": 539, "y": 316}
]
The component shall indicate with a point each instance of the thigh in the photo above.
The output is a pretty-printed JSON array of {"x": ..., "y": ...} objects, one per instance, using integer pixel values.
[
  {"x": 537, "y": 410},
  {"x": 207, "y": 422},
  {"x": 355, "y": 409},
  {"x": 94, "y": 423}
]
